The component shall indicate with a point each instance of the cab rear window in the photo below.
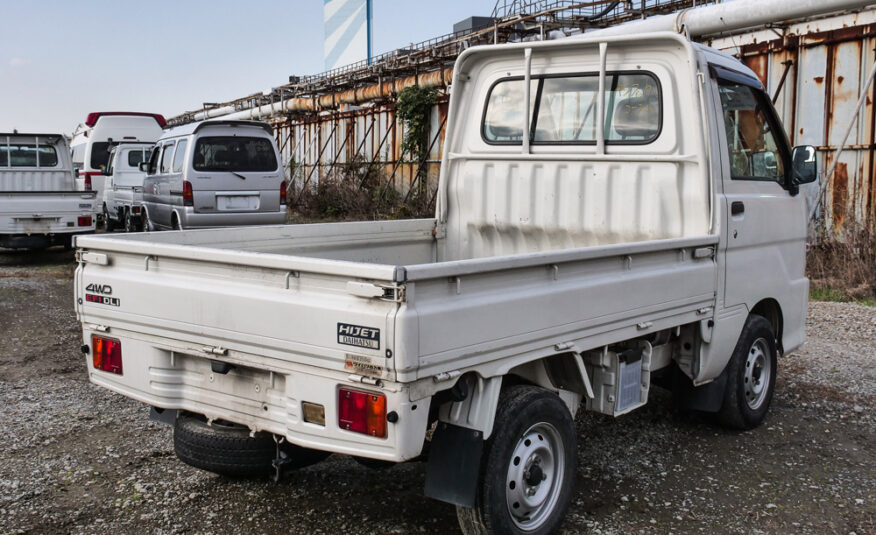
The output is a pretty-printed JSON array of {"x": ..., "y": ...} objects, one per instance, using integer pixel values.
[
  {"x": 563, "y": 109},
  {"x": 234, "y": 153},
  {"x": 28, "y": 155}
]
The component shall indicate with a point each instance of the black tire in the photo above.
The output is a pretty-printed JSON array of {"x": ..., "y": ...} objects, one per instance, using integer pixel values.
[
  {"x": 130, "y": 222},
  {"x": 525, "y": 415},
  {"x": 108, "y": 224},
  {"x": 751, "y": 376},
  {"x": 145, "y": 223},
  {"x": 174, "y": 221},
  {"x": 227, "y": 449}
]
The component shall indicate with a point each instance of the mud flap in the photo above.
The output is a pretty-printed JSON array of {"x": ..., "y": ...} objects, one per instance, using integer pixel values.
[
  {"x": 163, "y": 416},
  {"x": 705, "y": 398},
  {"x": 454, "y": 464}
]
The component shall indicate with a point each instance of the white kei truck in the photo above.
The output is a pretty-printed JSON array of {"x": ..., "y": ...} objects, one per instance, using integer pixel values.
[
  {"x": 611, "y": 213},
  {"x": 39, "y": 204},
  {"x": 123, "y": 186}
]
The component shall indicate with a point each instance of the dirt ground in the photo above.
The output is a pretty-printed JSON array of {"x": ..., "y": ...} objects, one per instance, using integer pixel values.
[{"x": 79, "y": 459}]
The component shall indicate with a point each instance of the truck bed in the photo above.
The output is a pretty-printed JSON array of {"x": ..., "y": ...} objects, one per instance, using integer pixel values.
[{"x": 273, "y": 296}]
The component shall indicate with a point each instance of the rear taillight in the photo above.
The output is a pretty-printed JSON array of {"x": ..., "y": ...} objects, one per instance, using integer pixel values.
[
  {"x": 362, "y": 412},
  {"x": 188, "y": 197},
  {"x": 106, "y": 354},
  {"x": 88, "y": 181},
  {"x": 283, "y": 193},
  {"x": 84, "y": 221}
]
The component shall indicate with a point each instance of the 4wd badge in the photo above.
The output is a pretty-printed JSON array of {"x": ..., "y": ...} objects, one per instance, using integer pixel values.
[{"x": 358, "y": 336}]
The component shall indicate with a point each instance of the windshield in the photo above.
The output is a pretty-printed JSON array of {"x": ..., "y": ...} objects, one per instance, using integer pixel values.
[{"x": 233, "y": 153}]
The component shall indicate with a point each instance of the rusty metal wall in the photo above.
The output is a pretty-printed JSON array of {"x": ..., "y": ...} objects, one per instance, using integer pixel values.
[
  {"x": 824, "y": 64},
  {"x": 815, "y": 69},
  {"x": 313, "y": 147}
]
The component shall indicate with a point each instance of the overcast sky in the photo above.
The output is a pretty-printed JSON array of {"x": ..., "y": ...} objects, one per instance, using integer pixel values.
[{"x": 61, "y": 59}]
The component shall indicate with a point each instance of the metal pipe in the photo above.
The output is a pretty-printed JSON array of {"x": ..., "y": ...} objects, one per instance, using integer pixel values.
[
  {"x": 437, "y": 78},
  {"x": 730, "y": 16},
  {"x": 600, "y": 102},
  {"x": 527, "y": 78},
  {"x": 861, "y": 101}
]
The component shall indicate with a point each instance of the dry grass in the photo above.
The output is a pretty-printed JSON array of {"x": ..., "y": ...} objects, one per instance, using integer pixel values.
[
  {"x": 357, "y": 192},
  {"x": 844, "y": 268}
]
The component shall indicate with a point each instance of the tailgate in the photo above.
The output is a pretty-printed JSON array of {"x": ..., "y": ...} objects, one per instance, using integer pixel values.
[
  {"x": 268, "y": 312},
  {"x": 30, "y": 212}
]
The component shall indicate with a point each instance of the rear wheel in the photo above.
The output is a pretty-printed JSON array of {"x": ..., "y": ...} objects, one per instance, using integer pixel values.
[
  {"x": 227, "y": 449},
  {"x": 528, "y": 467},
  {"x": 174, "y": 221},
  {"x": 751, "y": 376},
  {"x": 109, "y": 224},
  {"x": 131, "y": 224}
]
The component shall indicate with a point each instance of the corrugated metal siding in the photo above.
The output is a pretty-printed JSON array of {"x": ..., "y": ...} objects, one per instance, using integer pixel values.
[{"x": 831, "y": 59}]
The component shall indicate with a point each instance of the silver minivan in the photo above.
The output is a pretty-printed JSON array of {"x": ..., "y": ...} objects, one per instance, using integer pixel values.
[{"x": 216, "y": 173}]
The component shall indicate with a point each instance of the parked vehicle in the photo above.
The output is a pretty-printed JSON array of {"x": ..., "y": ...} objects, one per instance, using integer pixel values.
[
  {"x": 611, "y": 214},
  {"x": 101, "y": 131},
  {"x": 123, "y": 186},
  {"x": 39, "y": 204},
  {"x": 214, "y": 174}
]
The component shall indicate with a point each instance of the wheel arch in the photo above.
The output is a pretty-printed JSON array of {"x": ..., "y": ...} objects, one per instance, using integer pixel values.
[{"x": 770, "y": 309}]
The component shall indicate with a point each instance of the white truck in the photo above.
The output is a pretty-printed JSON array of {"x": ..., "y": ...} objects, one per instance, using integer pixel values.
[
  {"x": 611, "y": 213},
  {"x": 123, "y": 186},
  {"x": 39, "y": 204}
]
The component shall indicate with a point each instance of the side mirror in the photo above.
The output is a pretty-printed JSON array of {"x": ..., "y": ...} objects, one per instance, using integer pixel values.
[
  {"x": 804, "y": 164},
  {"x": 144, "y": 166},
  {"x": 104, "y": 170}
]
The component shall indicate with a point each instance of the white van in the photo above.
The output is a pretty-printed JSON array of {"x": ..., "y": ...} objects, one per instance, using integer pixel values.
[
  {"x": 214, "y": 174},
  {"x": 93, "y": 139}
]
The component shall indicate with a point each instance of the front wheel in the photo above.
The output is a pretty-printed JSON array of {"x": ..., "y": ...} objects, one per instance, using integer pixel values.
[
  {"x": 751, "y": 376},
  {"x": 528, "y": 467}
]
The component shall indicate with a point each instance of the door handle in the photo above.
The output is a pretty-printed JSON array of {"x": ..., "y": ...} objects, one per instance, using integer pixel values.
[{"x": 737, "y": 207}]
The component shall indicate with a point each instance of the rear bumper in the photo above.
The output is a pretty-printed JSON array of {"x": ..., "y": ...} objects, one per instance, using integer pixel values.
[
  {"x": 261, "y": 399},
  {"x": 191, "y": 219},
  {"x": 39, "y": 241}
]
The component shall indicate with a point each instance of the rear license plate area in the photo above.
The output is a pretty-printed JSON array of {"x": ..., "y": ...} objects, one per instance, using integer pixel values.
[{"x": 237, "y": 202}]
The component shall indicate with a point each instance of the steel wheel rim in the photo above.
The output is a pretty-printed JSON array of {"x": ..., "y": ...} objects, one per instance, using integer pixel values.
[
  {"x": 535, "y": 473},
  {"x": 758, "y": 373}
]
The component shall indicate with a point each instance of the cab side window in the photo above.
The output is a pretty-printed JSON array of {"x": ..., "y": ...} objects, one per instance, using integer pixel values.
[
  {"x": 178, "y": 157},
  {"x": 153, "y": 160},
  {"x": 166, "y": 156},
  {"x": 751, "y": 134}
]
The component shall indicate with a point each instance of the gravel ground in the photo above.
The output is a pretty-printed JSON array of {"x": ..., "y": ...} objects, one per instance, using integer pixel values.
[{"x": 79, "y": 459}]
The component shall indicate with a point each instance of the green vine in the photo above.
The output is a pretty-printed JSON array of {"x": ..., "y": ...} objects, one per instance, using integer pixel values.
[{"x": 414, "y": 107}]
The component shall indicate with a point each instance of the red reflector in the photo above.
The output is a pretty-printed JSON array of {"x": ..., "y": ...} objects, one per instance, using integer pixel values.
[
  {"x": 362, "y": 412},
  {"x": 188, "y": 198},
  {"x": 84, "y": 221},
  {"x": 106, "y": 354},
  {"x": 283, "y": 193}
]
